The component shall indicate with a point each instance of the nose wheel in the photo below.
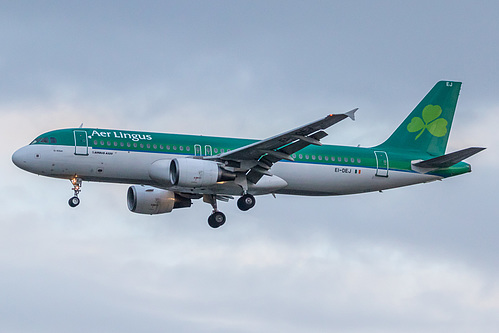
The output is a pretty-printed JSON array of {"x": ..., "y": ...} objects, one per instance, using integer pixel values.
[{"x": 75, "y": 201}]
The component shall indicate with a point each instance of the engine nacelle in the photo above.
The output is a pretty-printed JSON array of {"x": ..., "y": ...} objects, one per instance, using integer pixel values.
[
  {"x": 151, "y": 200},
  {"x": 188, "y": 172},
  {"x": 160, "y": 171}
]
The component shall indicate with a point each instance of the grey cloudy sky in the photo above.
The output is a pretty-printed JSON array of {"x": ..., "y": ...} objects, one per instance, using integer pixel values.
[{"x": 419, "y": 259}]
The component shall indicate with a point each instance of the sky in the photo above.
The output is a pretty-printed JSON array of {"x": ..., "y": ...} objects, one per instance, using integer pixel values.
[{"x": 416, "y": 259}]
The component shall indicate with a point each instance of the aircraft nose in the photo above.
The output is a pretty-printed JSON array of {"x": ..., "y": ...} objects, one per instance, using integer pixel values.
[{"x": 19, "y": 158}]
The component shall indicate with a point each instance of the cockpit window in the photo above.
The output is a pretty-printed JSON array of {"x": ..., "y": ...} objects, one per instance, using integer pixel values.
[{"x": 44, "y": 140}]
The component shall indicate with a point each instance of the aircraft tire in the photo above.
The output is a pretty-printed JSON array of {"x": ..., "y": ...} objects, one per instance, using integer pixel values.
[
  {"x": 74, "y": 201},
  {"x": 246, "y": 202},
  {"x": 216, "y": 220}
]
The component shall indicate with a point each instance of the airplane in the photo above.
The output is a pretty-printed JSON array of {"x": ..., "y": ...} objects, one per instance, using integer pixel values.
[{"x": 168, "y": 171}]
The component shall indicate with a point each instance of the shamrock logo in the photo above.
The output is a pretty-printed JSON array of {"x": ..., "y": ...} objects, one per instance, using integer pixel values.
[{"x": 436, "y": 126}]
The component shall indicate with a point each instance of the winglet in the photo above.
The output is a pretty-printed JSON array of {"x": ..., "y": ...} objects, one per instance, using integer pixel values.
[{"x": 351, "y": 114}]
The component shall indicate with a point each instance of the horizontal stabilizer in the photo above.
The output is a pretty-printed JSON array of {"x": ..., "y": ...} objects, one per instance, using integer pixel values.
[{"x": 448, "y": 160}]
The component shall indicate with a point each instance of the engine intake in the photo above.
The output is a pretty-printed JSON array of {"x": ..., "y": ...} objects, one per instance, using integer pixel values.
[
  {"x": 151, "y": 200},
  {"x": 188, "y": 172}
]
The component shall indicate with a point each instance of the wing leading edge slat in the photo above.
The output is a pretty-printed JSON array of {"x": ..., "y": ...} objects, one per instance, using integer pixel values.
[{"x": 253, "y": 151}]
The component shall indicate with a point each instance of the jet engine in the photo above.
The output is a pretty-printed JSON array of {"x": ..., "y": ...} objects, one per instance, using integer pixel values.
[
  {"x": 188, "y": 172},
  {"x": 151, "y": 200}
]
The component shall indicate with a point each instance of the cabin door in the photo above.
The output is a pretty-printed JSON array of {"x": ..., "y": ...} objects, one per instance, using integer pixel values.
[
  {"x": 381, "y": 163},
  {"x": 81, "y": 142}
]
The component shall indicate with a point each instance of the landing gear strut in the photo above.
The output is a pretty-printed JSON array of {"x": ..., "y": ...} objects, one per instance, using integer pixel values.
[
  {"x": 217, "y": 218},
  {"x": 246, "y": 202},
  {"x": 75, "y": 201}
]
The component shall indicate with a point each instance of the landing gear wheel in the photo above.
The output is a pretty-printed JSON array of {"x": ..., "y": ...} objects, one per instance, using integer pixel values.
[
  {"x": 74, "y": 201},
  {"x": 246, "y": 202},
  {"x": 217, "y": 219}
]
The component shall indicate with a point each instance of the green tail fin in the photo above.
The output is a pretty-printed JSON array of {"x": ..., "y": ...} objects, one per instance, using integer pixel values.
[{"x": 427, "y": 128}]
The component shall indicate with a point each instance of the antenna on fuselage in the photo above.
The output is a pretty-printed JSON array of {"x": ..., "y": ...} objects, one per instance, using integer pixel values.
[{"x": 81, "y": 125}]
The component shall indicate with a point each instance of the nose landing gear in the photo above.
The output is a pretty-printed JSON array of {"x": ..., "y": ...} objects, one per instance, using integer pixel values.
[{"x": 75, "y": 201}]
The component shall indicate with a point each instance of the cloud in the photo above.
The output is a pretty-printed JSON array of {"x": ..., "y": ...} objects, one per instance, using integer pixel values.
[{"x": 125, "y": 276}]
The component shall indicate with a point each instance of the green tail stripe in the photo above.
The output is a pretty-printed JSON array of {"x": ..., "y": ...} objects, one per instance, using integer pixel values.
[{"x": 427, "y": 128}]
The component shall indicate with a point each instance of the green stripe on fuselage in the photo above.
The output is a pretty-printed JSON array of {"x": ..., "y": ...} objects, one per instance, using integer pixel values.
[{"x": 190, "y": 145}]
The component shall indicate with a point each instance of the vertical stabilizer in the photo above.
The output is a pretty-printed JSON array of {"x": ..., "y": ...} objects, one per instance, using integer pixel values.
[{"x": 427, "y": 128}]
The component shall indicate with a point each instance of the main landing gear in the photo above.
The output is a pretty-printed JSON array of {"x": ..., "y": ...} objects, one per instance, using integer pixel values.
[
  {"x": 246, "y": 202},
  {"x": 217, "y": 218},
  {"x": 75, "y": 201}
]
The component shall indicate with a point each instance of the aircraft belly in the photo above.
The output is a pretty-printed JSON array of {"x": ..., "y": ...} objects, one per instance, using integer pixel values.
[
  {"x": 99, "y": 165},
  {"x": 320, "y": 179},
  {"x": 124, "y": 166}
]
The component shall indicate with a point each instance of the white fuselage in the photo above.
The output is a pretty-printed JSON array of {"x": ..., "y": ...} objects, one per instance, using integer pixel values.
[{"x": 118, "y": 166}]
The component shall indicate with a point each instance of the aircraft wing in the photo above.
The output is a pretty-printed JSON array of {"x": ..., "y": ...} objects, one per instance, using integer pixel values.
[{"x": 259, "y": 157}]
